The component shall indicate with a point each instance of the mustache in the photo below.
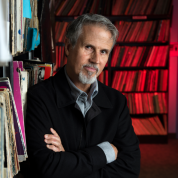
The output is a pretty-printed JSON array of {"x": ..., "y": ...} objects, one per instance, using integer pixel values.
[{"x": 92, "y": 65}]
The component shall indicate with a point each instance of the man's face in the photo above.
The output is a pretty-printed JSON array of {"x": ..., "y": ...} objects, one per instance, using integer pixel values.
[{"x": 90, "y": 54}]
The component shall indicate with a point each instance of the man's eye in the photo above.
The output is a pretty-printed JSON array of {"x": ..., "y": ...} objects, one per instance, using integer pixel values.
[
  {"x": 88, "y": 47},
  {"x": 103, "y": 52}
]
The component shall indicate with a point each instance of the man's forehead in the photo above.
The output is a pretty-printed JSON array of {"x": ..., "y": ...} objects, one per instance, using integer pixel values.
[{"x": 93, "y": 33}]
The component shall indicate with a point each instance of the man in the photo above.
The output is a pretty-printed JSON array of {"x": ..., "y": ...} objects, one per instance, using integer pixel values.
[{"x": 76, "y": 126}]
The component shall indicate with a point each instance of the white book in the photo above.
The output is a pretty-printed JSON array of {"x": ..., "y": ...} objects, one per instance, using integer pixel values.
[
  {"x": 18, "y": 10},
  {"x": 24, "y": 88}
]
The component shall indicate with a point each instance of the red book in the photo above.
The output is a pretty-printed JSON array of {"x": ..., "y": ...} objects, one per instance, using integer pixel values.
[
  {"x": 127, "y": 81},
  {"x": 136, "y": 128},
  {"x": 152, "y": 61},
  {"x": 115, "y": 56},
  {"x": 115, "y": 5},
  {"x": 145, "y": 103},
  {"x": 165, "y": 77},
  {"x": 166, "y": 36},
  {"x": 137, "y": 88},
  {"x": 123, "y": 82},
  {"x": 159, "y": 56},
  {"x": 140, "y": 126},
  {"x": 162, "y": 31},
  {"x": 145, "y": 31},
  {"x": 152, "y": 81},
  {"x": 119, "y": 80},
  {"x": 114, "y": 79},
  {"x": 156, "y": 80},
  {"x": 83, "y": 7},
  {"x": 125, "y": 56},
  {"x": 74, "y": 8},
  {"x": 61, "y": 7},
  {"x": 142, "y": 80},
  {"x": 164, "y": 57},
  {"x": 125, "y": 30},
  {"x": 48, "y": 71},
  {"x": 63, "y": 32},
  {"x": 137, "y": 57}
]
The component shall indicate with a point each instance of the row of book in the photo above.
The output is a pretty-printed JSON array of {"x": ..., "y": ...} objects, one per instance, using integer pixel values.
[
  {"x": 105, "y": 7},
  {"x": 143, "y": 31},
  {"x": 140, "y": 80},
  {"x": 135, "y": 7},
  {"x": 147, "y": 103},
  {"x": 13, "y": 113},
  {"x": 19, "y": 25},
  {"x": 150, "y": 125},
  {"x": 126, "y": 56},
  {"x": 79, "y": 7},
  {"x": 13, "y": 144},
  {"x": 155, "y": 31}
]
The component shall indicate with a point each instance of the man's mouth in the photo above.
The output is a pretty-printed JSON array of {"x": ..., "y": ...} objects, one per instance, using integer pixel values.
[{"x": 91, "y": 69}]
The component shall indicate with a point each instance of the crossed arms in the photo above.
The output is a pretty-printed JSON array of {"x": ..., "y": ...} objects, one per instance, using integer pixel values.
[{"x": 54, "y": 162}]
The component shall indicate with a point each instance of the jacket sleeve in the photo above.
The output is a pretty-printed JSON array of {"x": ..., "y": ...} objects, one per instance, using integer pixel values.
[
  {"x": 127, "y": 163},
  {"x": 45, "y": 162}
]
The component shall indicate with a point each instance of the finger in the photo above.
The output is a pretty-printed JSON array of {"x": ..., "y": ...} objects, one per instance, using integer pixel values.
[
  {"x": 52, "y": 147},
  {"x": 50, "y": 136},
  {"x": 54, "y": 132},
  {"x": 53, "y": 142}
]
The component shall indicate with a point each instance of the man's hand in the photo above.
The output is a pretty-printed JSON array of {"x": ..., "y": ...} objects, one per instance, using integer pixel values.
[
  {"x": 115, "y": 150},
  {"x": 53, "y": 141}
]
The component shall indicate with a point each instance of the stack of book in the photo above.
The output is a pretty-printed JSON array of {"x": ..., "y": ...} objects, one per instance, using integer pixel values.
[
  {"x": 140, "y": 80},
  {"x": 150, "y": 126},
  {"x": 19, "y": 25},
  {"x": 126, "y": 56},
  {"x": 13, "y": 142},
  {"x": 147, "y": 103},
  {"x": 105, "y": 7},
  {"x": 13, "y": 113},
  {"x": 143, "y": 31}
]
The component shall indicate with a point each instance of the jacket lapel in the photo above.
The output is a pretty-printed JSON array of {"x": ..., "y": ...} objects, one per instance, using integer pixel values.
[{"x": 64, "y": 97}]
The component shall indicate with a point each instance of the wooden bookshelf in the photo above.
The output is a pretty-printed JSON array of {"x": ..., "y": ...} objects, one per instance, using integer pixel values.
[{"x": 111, "y": 69}]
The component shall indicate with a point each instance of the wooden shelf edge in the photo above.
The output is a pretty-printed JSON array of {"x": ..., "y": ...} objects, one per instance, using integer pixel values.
[
  {"x": 122, "y": 17},
  {"x": 153, "y": 139}
]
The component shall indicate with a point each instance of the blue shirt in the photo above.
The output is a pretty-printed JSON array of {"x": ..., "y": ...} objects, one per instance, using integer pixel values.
[{"x": 84, "y": 103}]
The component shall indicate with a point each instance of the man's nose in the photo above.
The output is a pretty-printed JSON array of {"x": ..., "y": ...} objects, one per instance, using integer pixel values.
[{"x": 95, "y": 57}]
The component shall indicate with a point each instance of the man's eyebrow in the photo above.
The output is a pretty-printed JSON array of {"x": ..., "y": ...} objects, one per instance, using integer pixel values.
[{"x": 88, "y": 44}]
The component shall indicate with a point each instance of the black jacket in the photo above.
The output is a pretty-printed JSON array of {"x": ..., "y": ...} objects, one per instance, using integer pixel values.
[{"x": 50, "y": 104}]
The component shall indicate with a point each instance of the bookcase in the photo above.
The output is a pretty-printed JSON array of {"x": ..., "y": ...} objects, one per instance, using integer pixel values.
[{"x": 138, "y": 66}]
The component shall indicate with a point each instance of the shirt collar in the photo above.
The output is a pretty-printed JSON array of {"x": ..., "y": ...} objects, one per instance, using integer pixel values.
[{"x": 76, "y": 92}]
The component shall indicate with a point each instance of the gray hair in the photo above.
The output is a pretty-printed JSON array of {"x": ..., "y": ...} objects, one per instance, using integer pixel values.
[{"x": 74, "y": 29}]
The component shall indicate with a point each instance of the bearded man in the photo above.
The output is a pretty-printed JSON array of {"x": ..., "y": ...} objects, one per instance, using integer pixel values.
[{"x": 76, "y": 126}]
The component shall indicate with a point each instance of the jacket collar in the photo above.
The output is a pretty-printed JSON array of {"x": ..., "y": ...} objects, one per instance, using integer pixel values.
[{"x": 65, "y": 98}]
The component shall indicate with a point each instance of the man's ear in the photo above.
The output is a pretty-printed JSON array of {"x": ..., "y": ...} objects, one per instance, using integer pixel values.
[{"x": 67, "y": 47}]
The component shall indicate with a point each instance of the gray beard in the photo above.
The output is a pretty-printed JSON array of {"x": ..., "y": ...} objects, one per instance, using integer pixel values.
[{"x": 87, "y": 79}]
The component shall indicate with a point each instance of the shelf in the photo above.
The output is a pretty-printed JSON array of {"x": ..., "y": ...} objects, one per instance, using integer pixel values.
[
  {"x": 146, "y": 43},
  {"x": 143, "y": 91},
  {"x": 147, "y": 115},
  {"x": 138, "y": 68},
  {"x": 18, "y": 54},
  {"x": 153, "y": 139},
  {"x": 121, "y": 17}
]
